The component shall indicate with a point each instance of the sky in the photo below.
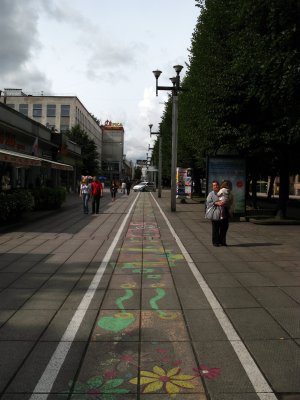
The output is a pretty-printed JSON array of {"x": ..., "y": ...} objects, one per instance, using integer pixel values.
[{"x": 101, "y": 51}]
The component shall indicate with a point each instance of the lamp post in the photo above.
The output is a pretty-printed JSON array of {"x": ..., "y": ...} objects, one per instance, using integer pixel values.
[
  {"x": 175, "y": 89},
  {"x": 159, "y": 158}
]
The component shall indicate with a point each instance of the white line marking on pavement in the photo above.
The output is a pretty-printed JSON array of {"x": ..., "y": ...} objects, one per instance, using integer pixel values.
[
  {"x": 261, "y": 386},
  {"x": 44, "y": 385}
]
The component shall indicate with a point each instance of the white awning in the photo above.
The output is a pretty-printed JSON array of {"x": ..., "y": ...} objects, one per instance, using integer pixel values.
[
  {"x": 19, "y": 159},
  {"x": 25, "y": 160}
]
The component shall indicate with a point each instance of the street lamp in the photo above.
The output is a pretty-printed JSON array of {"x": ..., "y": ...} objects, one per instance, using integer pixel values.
[
  {"x": 174, "y": 89},
  {"x": 159, "y": 158}
]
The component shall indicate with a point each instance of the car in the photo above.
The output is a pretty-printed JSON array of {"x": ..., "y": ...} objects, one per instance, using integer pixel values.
[{"x": 145, "y": 187}]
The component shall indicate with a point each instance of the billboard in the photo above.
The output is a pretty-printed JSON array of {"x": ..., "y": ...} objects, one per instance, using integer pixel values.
[{"x": 233, "y": 169}]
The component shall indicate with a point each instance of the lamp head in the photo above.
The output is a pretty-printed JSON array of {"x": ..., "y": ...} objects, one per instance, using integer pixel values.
[
  {"x": 174, "y": 80},
  {"x": 150, "y": 126},
  {"x": 178, "y": 68},
  {"x": 156, "y": 73}
]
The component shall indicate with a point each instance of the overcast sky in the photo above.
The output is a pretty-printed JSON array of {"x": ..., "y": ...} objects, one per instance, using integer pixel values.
[{"x": 101, "y": 51}]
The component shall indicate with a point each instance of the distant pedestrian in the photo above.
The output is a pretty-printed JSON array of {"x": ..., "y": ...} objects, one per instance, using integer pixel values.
[
  {"x": 96, "y": 194},
  {"x": 85, "y": 193},
  {"x": 128, "y": 186},
  {"x": 113, "y": 190},
  {"x": 123, "y": 186}
]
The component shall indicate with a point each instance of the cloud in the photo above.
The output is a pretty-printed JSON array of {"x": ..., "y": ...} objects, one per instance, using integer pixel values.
[
  {"x": 137, "y": 131},
  {"x": 19, "y": 44}
]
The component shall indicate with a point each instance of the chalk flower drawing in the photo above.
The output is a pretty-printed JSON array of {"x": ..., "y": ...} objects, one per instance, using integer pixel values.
[
  {"x": 98, "y": 388},
  {"x": 170, "y": 381},
  {"x": 206, "y": 372}
]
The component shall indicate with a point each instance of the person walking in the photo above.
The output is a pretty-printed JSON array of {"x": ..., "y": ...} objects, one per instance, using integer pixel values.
[
  {"x": 123, "y": 186},
  {"x": 128, "y": 186},
  {"x": 113, "y": 190},
  {"x": 96, "y": 188},
  {"x": 85, "y": 192},
  {"x": 220, "y": 226}
]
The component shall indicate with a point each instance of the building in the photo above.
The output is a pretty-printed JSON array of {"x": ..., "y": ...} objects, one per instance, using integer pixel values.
[
  {"x": 31, "y": 156},
  {"x": 113, "y": 151},
  {"x": 58, "y": 113}
]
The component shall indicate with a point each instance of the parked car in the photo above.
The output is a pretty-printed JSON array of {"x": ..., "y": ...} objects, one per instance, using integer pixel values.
[{"x": 145, "y": 187}]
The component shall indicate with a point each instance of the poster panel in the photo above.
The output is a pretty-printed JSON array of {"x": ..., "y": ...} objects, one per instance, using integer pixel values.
[
  {"x": 232, "y": 169},
  {"x": 184, "y": 182}
]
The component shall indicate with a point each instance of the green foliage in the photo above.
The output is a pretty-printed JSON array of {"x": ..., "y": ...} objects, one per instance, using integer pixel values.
[
  {"x": 13, "y": 204},
  {"x": 243, "y": 86},
  {"x": 89, "y": 155},
  {"x": 48, "y": 198}
]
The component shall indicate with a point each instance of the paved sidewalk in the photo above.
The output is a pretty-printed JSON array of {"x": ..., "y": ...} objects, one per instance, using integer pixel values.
[{"x": 152, "y": 328}]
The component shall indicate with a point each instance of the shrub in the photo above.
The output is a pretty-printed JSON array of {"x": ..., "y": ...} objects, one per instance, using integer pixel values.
[
  {"x": 14, "y": 203},
  {"x": 48, "y": 198}
]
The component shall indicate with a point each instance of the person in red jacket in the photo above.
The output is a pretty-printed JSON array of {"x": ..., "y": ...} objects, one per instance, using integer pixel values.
[{"x": 96, "y": 194}]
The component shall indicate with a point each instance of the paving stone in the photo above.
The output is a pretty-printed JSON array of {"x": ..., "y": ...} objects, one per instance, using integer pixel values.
[
  {"x": 282, "y": 278},
  {"x": 26, "y": 325},
  {"x": 272, "y": 297},
  {"x": 29, "y": 374},
  {"x": 210, "y": 267},
  {"x": 235, "y": 297},
  {"x": 60, "y": 322},
  {"x": 12, "y": 355},
  {"x": 132, "y": 281},
  {"x": 184, "y": 281},
  {"x": 166, "y": 325},
  {"x": 255, "y": 323},
  {"x": 117, "y": 325},
  {"x": 175, "y": 356},
  {"x": 49, "y": 299},
  {"x": 14, "y": 298},
  {"x": 294, "y": 292},
  {"x": 192, "y": 298},
  {"x": 253, "y": 279},
  {"x": 227, "y": 374},
  {"x": 73, "y": 301},
  {"x": 203, "y": 325},
  {"x": 159, "y": 298},
  {"x": 279, "y": 360},
  {"x": 30, "y": 281},
  {"x": 7, "y": 278},
  {"x": 221, "y": 280},
  {"x": 289, "y": 319},
  {"x": 124, "y": 299}
]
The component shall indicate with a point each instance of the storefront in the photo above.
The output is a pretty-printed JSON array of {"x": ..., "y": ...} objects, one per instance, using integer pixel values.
[{"x": 28, "y": 156}]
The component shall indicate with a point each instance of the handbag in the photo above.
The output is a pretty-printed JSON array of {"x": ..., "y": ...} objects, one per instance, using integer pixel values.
[{"x": 213, "y": 213}]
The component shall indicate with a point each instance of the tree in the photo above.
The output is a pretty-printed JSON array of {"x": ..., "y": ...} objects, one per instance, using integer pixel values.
[
  {"x": 244, "y": 86},
  {"x": 89, "y": 154}
]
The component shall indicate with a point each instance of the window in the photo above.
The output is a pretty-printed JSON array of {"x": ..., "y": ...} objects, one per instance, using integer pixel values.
[
  {"x": 37, "y": 110},
  {"x": 65, "y": 110},
  {"x": 23, "y": 108},
  {"x": 51, "y": 110},
  {"x": 64, "y": 128}
]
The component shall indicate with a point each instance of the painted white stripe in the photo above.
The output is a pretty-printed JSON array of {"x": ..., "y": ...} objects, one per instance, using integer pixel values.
[
  {"x": 44, "y": 385},
  {"x": 261, "y": 386}
]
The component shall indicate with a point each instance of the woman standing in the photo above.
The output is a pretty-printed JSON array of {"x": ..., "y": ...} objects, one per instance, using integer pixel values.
[
  {"x": 85, "y": 192},
  {"x": 219, "y": 227}
]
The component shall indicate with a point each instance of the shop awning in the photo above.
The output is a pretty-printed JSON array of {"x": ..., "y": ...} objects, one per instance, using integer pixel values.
[
  {"x": 57, "y": 165},
  {"x": 19, "y": 159},
  {"x": 25, "y": 160}
]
